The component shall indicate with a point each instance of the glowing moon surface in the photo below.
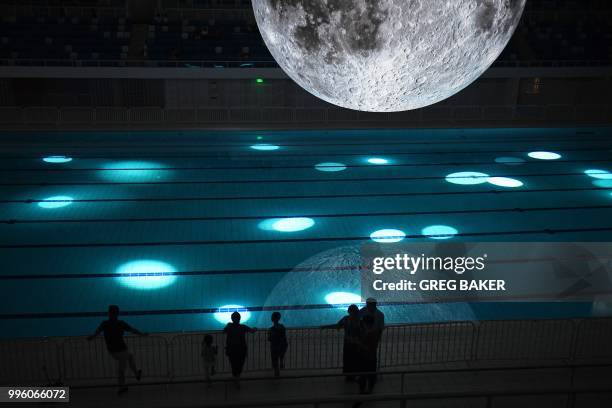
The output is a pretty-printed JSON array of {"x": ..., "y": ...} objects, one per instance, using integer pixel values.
[{"x": 386, "y": 55}]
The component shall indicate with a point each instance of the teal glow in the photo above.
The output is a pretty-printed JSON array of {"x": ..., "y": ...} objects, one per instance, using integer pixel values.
[
  {"x": 330, "y": 167},
  {"x": 388, "y": 236},
  {"x": 57, "y": 159},
  {"x": 439, "y": 232},
  {"x": 265, "y": 147},
  {"x": 224, "y": 313},
  {"x": 544, "y": 155},
  {"x": 603, "y": 183},
  {"x": 258, "y": 80},
  {"x": 467, "y": 178},
  {"x": 342, "y": 298},
  {"x": 505, "y": 182},
  {"x": 286, "y": 224},
  {"x": 146, "y": 274},
  {"x": 55, "y": 202},
  {"x": 509, "y": 161},
  {"x": 133, "y": 171},
  {"x": 599, "y": 174},
  {"x": 377, "y": 160}
]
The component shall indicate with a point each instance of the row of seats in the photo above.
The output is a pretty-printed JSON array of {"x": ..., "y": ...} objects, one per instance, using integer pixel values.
[
  {"x": 55, "y": 39},
  {"x": 550, "y": 30}
]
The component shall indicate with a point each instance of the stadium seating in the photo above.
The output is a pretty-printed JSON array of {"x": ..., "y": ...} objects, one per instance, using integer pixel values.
[{"x": 552, "y": 32}]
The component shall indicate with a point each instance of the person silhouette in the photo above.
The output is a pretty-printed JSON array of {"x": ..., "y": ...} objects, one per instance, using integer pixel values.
[
  {"x": 236, "y": 345},
  {"x": 353, "y": 328},
  {"x": 371, "y": 309},
  {"x": 277, "y": 336},
  {"x": 209, "y": 357},
  {"x": 114, "y": 330},
  {"x": 370, "y": 336}
]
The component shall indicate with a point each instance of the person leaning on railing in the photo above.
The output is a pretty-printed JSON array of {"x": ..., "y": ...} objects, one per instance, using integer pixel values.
[
  {"x": 351, "y": 351},
  {"x": 236, "y": 345},
  {"x": 113, "y": 330}
]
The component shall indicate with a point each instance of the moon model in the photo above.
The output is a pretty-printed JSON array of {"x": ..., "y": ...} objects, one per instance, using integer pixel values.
[{"x": 386, "y": 55}]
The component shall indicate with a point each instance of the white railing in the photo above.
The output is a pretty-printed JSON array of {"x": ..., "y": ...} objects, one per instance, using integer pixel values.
[
  {"x": 102, "y": 117},
  {"x": 176, "y": 357}
]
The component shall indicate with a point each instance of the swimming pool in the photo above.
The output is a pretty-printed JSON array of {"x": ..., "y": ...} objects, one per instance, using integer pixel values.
[{"x": 172, "y": 226}]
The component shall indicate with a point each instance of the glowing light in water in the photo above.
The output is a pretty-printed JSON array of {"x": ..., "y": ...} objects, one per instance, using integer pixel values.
[
  {"x": 599, "y": 174},
  {"x": 377, "y": 160},
  {"x": 603, "y": 183},
  {"x": 57, "y": 159},
  {"x": 467, "y": 178},
  {"x": 388, "y": 235},
  {"x": 265, "y": 147},
  {"x": 133, "y": 171},
  {"x": 330, "y": 166},
  {"x": 224, "y": 313},
  {"x": 55, "y": 202},
  {"x": 510, "y": 161},
  {"x": 146, "y": 274},
  {"x": 505, "y": 182},
  {"x": 342, "y": 298},
  {"x": 439, "y": 232},
  {"x": 286, "y": 224},
  {"x": 544, "y": 155}
]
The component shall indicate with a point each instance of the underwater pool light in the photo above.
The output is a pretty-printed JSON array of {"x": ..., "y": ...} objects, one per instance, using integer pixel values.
[
  {"x": 55, "y": 202},
  {"x": 133, "y": 171},
  {"x": 387, "y": 236},
  {"x": 377, "y": 160},
  {"x": 265, "y": 147},
  {"x": 342, "y": 298},
  {"x": 505, "y": 182},
  {"x": 544, "y": 155},
  {"x": 146, "y": 274},
  {"x": 224, "y": 313},
  {"x": 599, "y": 174},
  {"x": 57, "y": 159},
  {"x": 293, "y": 224},
  {"x": 330, "y": 166},
  {"x": 467, "y": 178},
  {"x": 439, "y": 231}
]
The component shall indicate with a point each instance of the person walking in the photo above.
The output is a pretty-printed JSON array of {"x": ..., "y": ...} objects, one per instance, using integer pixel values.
[{"x": 114, "y": 330}]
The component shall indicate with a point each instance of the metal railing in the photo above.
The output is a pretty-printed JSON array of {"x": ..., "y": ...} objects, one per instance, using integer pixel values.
[
  {"x": 101, "y": 117},
  {"x": 174, "y": 357}
]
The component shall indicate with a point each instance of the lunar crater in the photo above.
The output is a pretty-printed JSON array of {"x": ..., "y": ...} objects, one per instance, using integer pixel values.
[{"x": 386, "y": 55}]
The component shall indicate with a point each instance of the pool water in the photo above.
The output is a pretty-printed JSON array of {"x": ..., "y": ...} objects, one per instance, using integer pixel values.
[{"x": 182, "y": 228}]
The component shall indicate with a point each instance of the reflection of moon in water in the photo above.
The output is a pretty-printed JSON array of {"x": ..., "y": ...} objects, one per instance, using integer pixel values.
[
  {"x": 386, "y": 55},
  {"x": 337, "y": 270}
]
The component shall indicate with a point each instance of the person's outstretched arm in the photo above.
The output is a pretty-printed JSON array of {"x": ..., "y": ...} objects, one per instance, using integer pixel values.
[
  {"x": 134, "y": 330},
  {"x": 95, "y": 334},
  {"x": 338, "y": 325}
]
